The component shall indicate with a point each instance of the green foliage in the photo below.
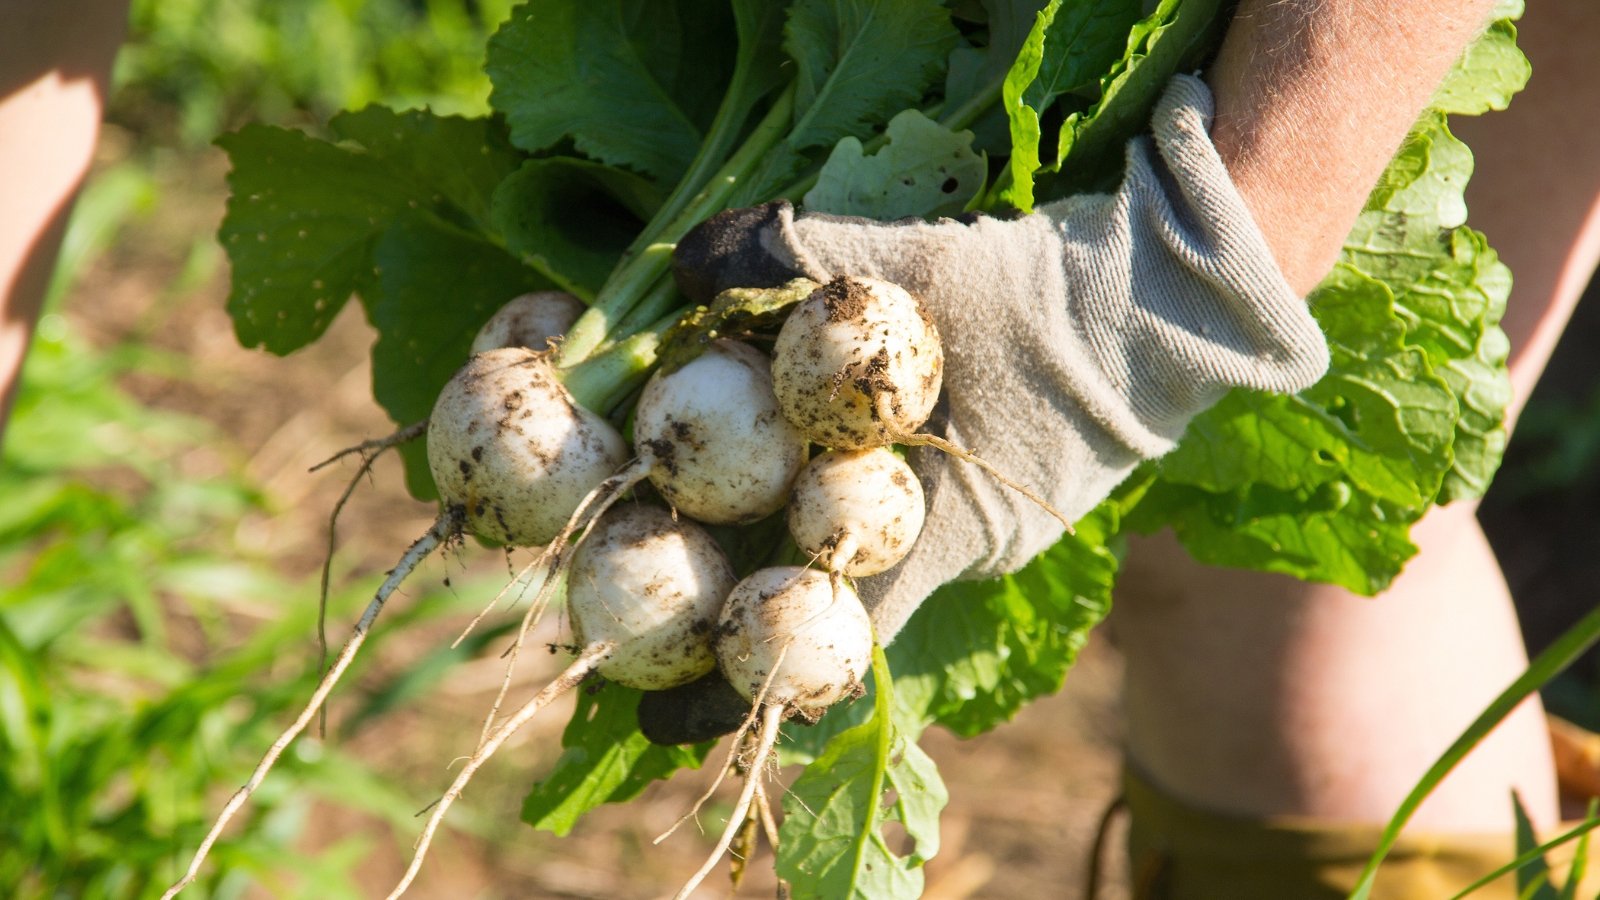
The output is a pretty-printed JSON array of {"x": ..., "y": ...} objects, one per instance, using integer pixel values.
[
  {"x": 604, "y": 759},
  {"x": 196, "y": 67},
  {"x": 126, "y": 696},
  {"x": 924, "y": 170},
  {"x": 1325, "y": 485},
  {"x": 831, "y": 843},
  {"x": 625, "y": 80}
]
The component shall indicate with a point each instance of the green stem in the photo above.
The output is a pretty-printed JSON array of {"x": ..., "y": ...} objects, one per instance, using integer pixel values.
[
  {"x": 731, "y": 115},
  {"x": 604, "y": 380},
  {"x": 662, "y": 299},
  {"x": 635, "y": 278}
]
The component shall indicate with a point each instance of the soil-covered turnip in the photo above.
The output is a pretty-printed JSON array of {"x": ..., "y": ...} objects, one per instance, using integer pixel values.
[
  {"x": 788, "y": 637},
  {"x": 858, "y": 364},
  {"x": 510, "y": 447},
  {"x": 723, "y": 451},
  {"x": 653, "y": 585}
]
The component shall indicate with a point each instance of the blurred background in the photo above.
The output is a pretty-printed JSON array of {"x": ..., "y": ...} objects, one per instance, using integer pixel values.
[{"x": 161, "y": 544}]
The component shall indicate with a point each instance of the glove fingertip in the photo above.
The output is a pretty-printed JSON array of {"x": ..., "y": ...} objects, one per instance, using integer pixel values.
[{"x": 726, "y": 251}]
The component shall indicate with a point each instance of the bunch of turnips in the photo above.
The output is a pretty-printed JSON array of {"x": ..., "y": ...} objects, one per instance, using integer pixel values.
[{"x": 721, "y": 434}]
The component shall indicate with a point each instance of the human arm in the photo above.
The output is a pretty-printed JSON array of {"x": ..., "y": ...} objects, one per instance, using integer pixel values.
[
  {"x": 55, "y": 66},
  {"x": 1313, "y": 98}
]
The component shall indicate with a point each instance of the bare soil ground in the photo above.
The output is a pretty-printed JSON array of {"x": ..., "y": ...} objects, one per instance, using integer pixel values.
[{"x": 1025, "y": 800}]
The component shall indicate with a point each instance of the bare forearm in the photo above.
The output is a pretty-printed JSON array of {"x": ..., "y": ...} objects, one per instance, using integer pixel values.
[{"x": 1314, "y": 98}]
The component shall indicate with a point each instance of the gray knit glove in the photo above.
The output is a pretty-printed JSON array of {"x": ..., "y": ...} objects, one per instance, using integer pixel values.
[{"x": 1079, "y": 340}]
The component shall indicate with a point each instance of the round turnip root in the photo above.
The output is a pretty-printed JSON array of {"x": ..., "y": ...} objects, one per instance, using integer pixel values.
[
  {"x": 507, "y": 444},
  {"x": 857, "y": 511},
  {"x": 785, "y": 636},
  {"x": 723, "y": 451},
  {"x": 795, "y": 643},
  {"x": 530, "y": 320},
  {"x": 653, "y": 586},
  {"x": 857, "y": 364}
]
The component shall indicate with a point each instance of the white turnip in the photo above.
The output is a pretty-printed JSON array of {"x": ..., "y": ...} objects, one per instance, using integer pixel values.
[
  {"x": 723, "y": 451},
  {"x": 795, "y": 643},
  {"x": 856, "y": 511},
  {"x": 858, "y": 364},
  {"x": 509, "y": 446}
]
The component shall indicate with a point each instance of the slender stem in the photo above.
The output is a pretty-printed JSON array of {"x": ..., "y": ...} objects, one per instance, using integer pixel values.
[
  {"x": 662, "y": 299},
  {"x": 636, "y": 277},
  {"x": 445, "y": 526},
  {"x": 602, "y": 381},
  {"x": 731, "y": 115},
  {"x": 591, "y": 657}
]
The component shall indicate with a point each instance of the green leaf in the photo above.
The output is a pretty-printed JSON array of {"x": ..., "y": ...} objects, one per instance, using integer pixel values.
[
  {"x": 1072, "y": 43},
  {"x": 435, "y": 287},
  {"x": 1173, "y": 38},
  {"x": 570, "y": 219},
  {"x": 975, "y": 653},
  {"x": 925, "y": 170},
  {"x": 831, "y": 843},
  {"x": 604, "y": 760},
  {"x": 975, "y": 72},
  {"x": 857, "y": 63},
  {"x": 303, "y": 214},
  {"x": 1533, "y": 876},
  {"x": 301, "y": 220},
  {"x": 628, "y": 81},
  {"x": 1330, "y": 533},
  {"x": 458, "y": 160},
  {"x": 1489, "y": 72}
]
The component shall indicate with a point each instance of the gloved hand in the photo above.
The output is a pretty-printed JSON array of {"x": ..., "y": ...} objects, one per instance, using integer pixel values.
[{"x": 1079, "y": 341}]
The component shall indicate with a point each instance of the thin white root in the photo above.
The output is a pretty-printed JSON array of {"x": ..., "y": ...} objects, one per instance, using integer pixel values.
[
  {"x": 771, "y": 718},
  {"x": 966, "y": 455},
  {"x": 377, "y": 445},
  {"x": 370, "y": 451},
  {"x": 442, "y": 530},
  {"x": 844, "y": 550},
  {"x": 764, "y": 810},
  {"x": 733, "y": 747},
  {"x": 557, "y": 556},
  {"x": 574, "y": 674}
]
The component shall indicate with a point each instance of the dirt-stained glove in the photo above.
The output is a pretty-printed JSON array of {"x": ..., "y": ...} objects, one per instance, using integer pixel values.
[{"x": 1078, "y": 341}]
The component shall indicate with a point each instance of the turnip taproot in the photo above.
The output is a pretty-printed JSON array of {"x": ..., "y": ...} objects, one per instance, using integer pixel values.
[{"x": 795, "y": 642}]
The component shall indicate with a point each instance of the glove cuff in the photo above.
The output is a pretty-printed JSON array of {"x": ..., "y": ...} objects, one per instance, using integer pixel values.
[{"x": 1207, "y": 307}]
